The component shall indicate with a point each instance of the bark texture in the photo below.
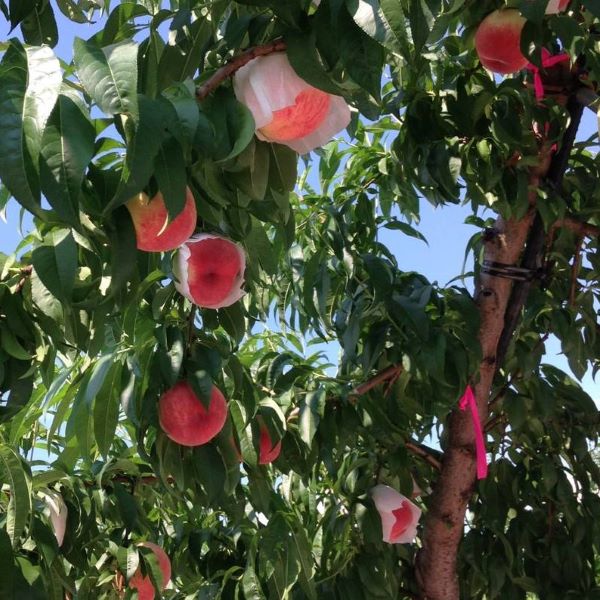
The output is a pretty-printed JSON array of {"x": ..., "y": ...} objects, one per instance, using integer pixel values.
[{"x": 436, "y": 561}]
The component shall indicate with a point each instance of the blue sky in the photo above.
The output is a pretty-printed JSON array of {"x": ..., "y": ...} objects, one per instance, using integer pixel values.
[{"x": 443, "y": 227}]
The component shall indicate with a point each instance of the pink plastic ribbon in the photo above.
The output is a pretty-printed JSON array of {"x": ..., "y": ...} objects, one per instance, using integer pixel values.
[
  {"x": 547, "y": 61},
  {"x": 468, "y": 400}
]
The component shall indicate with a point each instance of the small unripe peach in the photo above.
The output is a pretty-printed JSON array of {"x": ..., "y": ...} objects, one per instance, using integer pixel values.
[
  {"x": 184, "y": 419},
  {"x": 498, "y": 41},
  {"x": 143, "y": 584},
  {"x": 149, "y": 218},
  {"x": 267, "y": 451},
  {"x": 210, "y": 270}
]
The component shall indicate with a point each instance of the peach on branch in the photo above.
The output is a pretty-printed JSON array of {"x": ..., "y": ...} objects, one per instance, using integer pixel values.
[
  {"x": 286, "y": 109},
  {"x": 399, "y": 516},
  {"x": 142, "y": 583},
  {"x": 184, "y": 418},
  {"x": 268, "y": 452},
  {"x": 56, "y": 509},
  {"x": 152, "y": 232},
  {"x": 498, "y": 41},
  {"x": 210, "y": 270}
]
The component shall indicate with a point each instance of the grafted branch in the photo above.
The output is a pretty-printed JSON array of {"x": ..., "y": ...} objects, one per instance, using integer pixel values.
[{"x": 237, "y": 62}]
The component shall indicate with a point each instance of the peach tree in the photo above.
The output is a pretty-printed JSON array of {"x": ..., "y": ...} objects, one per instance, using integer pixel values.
[{"x": 270, "y": 408}]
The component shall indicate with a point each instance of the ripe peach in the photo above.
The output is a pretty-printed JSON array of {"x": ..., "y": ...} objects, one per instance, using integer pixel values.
[
  {"x": 184, "y": 419},
  {"x": 210, "y": 270},
  {"x": 556, "y": 6},
  {"x": 498, "y": 39},
  {"x": 286, "y": 109},
  {"x": 267, "y": 451},
  {"x": 143, "y": 584},
  {"x": 149, "y": 218}
]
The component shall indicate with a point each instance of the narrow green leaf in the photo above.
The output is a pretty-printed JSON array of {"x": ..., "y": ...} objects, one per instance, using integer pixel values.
[
  {"x": 66, "y": 151},
  {"x": 16, "y": 166},
  {"x": 39, "y": 27},
  {"x": 56, "y": 263},
  {"x": 170, "y": 174},
  {"x": 128, "y": 560},
  {"x": 106, "y": 409},
  {"x": 11, "y": 345},
  {"x": 13, "y": 472},
  {"x": 311, "y": 411}
]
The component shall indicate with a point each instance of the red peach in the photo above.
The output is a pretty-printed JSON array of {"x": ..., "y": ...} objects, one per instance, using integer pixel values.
[
  {"x": 143, "y": 584},
  {"x": 210, "y": 270},
  {"x": 184, "y": 419},
  {"x": 267, "y": 452},
  {"x": 498, "y": 40},
  {"x": 149, "y": 218}
]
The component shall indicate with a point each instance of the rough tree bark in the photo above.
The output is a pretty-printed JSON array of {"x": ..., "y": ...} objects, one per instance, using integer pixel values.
[{"x": 444, "y": 524}]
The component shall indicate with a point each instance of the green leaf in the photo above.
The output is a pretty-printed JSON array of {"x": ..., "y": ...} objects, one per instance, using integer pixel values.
[
  {"x": 171, "y": 177},
  {"x": 109, "y": 75},
  {"x": 180, "y": 61},
  {"x": 406, "y": 229},
  {"x": 311, "y": 411},
  {"x": 39, "y": 27},
  {"x": 19, "y": 9},
  {"x": 146, "y": 138},
  {"x": 106, "y": 409},
  {"x": 12, "y": 346},
  {"x": 421, "y": 23},
  {"x": 251, "y": 585},
  {"x": 306, "y": 61},
  {"x": 56, "y": 263},
  {"x": 370, "y": 17},
  {"x": 7, "y": 566},
  {"x": 16, "y": 165},
  {"x": 128, "y": 560},
  {"x": 13, "y": 472},
  {"x": 66, "y": 150}
]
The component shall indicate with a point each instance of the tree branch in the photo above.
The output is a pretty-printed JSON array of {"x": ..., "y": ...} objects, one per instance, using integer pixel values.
[
  {"x": 532, "y": 258},
  {"x": 444, "y": 523},
  {"x": 425, "y": 453},
  {"x": 237, "y": 62},
  {"x": 588, "y": 98},
  {"x": 390, "y": 373},
  {"x": 578, "y": 227}
]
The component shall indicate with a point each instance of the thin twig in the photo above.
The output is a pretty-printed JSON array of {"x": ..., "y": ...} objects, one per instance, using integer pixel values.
[
  {"x": 391, "y": 372},
  {"x": 575, "y": 271},
  {"x": 425, "y": 454},
  {"x": 237, "y": 62}
]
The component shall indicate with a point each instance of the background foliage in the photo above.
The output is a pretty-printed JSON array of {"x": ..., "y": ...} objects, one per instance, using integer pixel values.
[{"x": 92, "y": 331}]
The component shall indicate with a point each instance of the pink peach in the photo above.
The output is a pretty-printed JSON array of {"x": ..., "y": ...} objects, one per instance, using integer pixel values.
[
  {"x": 184, "y": 419},
  {"x": 149, "y": 219},
  {"x": 143, "y": 584},
  {"x": 498, "y": 40},
  {"x": 210, "y": 270},
  {"x": 399, "y": 516},
  {"x": 286, "y": 109}
]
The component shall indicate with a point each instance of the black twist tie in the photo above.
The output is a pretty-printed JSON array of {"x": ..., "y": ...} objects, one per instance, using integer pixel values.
[{"x": 497, "y": 269}]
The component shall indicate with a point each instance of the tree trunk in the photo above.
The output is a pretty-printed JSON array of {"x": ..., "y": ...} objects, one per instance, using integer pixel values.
[{"x": 444, "y": 523}]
